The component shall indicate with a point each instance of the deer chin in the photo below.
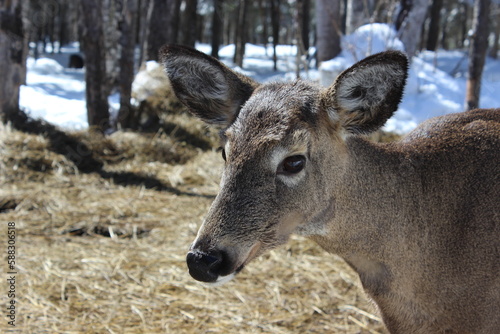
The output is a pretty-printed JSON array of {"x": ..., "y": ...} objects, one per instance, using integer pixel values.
[{"x": 251, "y": 254}]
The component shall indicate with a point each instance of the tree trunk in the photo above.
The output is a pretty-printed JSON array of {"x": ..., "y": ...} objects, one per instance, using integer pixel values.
[
  {"x": 465, "y": 29},
  {"x": 358, "y": 13},
  {"x": 327, "y": 29},
  {"x": 110, "y": 18},
  {"x": 217, "y": 25},
  {"x": 404, "y": 11},
  {"x": 496, "y": 39},
  {"x": 162, "y": 29},
  {"x": 306, "y": 18},
  {"x": 275, "y": 23},
  {"x": 127, "y": 41},
  {"x": 434, "y": 25},
  {"x": 190, "y": 24},
  {"x": 410, "y": 21},
  {"x": 145, "y": 12},
  {"x": 477, "y": 53},
  {"x": 176, "y": 21},
  {"x": 241, "y": 33},
  {"x": 63, "y": 24},
  {"x": 92, "y": 41},
  {"x": 263, "y": 13},
  {"x": 302, "y": 38},
  {"x": 13, "y": 52}
]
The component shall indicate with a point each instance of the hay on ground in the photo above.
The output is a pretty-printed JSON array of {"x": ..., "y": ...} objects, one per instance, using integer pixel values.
[{"x": 101, "y": 252}]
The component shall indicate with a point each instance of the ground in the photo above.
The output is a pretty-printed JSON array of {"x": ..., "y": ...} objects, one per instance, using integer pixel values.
[{"x": 103, "y": 226}]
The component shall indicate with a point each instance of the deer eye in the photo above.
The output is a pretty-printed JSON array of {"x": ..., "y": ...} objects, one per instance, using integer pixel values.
[{"x": 292, "y": 165}]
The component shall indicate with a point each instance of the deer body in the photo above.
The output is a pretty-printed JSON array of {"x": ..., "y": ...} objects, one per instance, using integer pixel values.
[
  {"x": 417, "y": 219},
  {"x": 425, "y": 240}
]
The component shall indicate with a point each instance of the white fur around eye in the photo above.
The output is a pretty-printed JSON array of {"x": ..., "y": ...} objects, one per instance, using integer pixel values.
[
  {"x": 292, "y": 180},
  {"x": 276, "y": 157},
  {"x": 227, "y": 148}
]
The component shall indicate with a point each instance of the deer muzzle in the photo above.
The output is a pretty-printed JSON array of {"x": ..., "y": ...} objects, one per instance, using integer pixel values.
[
  {"x": 217, "y": 267},
  {"x": 205, "y": 267}
]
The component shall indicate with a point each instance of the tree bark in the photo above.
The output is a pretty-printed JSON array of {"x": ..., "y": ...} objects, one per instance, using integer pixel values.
[
  {"x": 217, "y": 25},
  {"x": 263, "y": 13},
  {"x": 127, "y": 41},
  {"x": 477, "y": 53},
  {"x": 404, "y": 11},
  {"x": 496, "y": 38},
  {"x": 306, "y": 18},
  {"x": 410, "y": 21},
  {"x": 13, "y": 52},
  {"x": 162, "y": 30},
  {"x": 190, "y": 24},
  {"x": 110, "y": 18},
  {"x": 275, "y": 23},
  {"x": 465, "y": 30},
  {"x": 358, "y": 13},
  {"x": 176, "y": 21},
  {"x": 241, "y": 33},
  {"x": 327, "y": 29},
  {"x": 63, "y": 24},
  {"x": 301, "y": 21},
  {"x": 143, "y": 28},
  {"x": 92, "y": 41},
  {"x": 434, "y": 25}
]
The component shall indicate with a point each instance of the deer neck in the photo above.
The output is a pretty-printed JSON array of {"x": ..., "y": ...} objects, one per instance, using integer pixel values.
[{"x": 373, "y": 200}]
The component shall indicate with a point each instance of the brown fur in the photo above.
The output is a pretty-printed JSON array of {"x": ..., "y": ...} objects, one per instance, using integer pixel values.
[{"x": 417, "y": 219}]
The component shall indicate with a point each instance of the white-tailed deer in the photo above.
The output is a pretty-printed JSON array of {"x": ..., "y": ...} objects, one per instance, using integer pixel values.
[{"x": 417, "y": 219}]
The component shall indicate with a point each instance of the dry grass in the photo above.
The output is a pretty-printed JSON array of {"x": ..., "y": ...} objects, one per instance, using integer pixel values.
[{"x": 102, "y": 237}]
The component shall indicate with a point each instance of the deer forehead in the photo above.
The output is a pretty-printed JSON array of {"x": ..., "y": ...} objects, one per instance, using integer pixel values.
[{"x": 276, "y": 114}]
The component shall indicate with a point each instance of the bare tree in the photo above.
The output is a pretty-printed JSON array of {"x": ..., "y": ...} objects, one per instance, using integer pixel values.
[
  {"x": 358, "y": 13},
  {"x": 217, "y": 25},
  {"x": 304, "y": 24},
  {"x": 275, "y": 23},
  {"x": 496, "y": 34},
  {"x": 92, "y": 41},
  {"x": 13, "y": 51},
  {"x": 264, "y": 19},
  {"x": 327, "y": 29},
  {"x": 163, "y": 18},
  {"x": 409, "y": 23},
  {"x": 241, "y": 32},
  {"x": 434, "y": 25},
  {"x": 302, "y": 31},
  {"x": 128, "y": 18},
  {"x": 110, "y": 19},
  {"x": 190, "y": 23},
  {"x": 143, "y": 28},
  {"x": 477, "y": 53}
]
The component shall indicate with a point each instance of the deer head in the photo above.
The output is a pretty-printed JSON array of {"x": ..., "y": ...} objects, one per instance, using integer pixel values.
[{"x": 284, "y": 150}]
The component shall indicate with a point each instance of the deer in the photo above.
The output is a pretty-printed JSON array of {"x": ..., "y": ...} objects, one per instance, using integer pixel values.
[{"x": 417, "y": 219}]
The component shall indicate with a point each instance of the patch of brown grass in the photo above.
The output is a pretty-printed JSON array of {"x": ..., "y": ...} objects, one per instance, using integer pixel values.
[{"x": 99, "y": 252}]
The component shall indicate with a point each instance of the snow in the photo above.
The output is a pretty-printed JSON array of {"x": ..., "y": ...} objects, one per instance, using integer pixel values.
[
  {"x": 145, "y": 82},
  {"x": 57, "y": 94},
  {"x": 369, "y": 39},
  {"x": 435, "y": 86}
]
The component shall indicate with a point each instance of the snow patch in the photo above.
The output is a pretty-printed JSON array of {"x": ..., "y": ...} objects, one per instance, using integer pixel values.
[
  {"x": 369, "y": 39},
  {"x": 44, "y": 66}
]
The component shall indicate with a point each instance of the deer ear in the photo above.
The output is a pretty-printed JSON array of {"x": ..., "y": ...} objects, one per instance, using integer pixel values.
[
  {"x": 209, "y": 89},
  {"x": 366, "y": 95}
]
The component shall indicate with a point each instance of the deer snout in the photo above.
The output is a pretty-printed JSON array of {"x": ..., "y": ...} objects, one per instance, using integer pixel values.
[{"x": 205, "y": 267}]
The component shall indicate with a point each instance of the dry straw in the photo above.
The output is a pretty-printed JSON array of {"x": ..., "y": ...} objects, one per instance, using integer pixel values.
[{"x": 102, "y": 237}]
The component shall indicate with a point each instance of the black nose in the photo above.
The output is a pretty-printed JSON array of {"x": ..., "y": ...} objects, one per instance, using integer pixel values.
[{"x": 203, "y": 266}]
